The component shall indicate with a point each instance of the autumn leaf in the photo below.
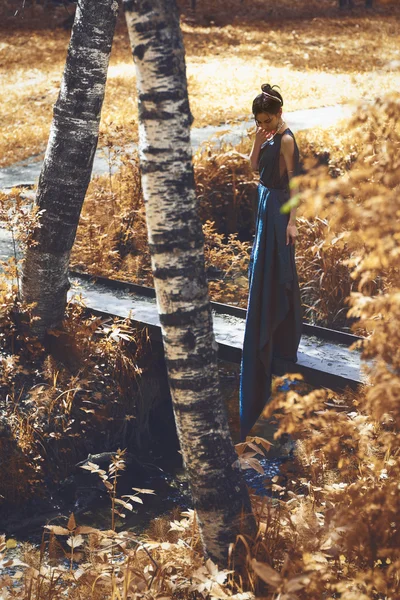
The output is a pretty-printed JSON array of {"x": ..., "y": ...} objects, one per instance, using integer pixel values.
[
  {"x": 266, "y": 573},
  {"x": 57, "y": 530},
  {"x": 247, "y": 461},
  {"x": 71, "y": 522},
  {"x": 133, "y": 498},
  {"x": 92, "y": 467},
  {"x": 75, "y": 541},
  {"x": 123, "y": 503},
  {"x": 143, "y": 490},
  {"x": 85, "y": 529}
]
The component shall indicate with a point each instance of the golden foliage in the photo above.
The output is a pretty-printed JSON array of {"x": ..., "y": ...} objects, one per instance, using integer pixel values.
[
  {"x": 112, "y": 233},
  {"x": 225, "y": 184},
  {"x": 319, "y": 58},
  {"x": 52, "y": 405}
]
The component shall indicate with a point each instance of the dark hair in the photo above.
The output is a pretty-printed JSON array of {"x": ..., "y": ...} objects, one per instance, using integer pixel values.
[{"x": 263, "y": 103}]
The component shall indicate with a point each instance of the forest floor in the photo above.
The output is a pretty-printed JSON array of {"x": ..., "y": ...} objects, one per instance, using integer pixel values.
[{"x": 317, "y": 62}]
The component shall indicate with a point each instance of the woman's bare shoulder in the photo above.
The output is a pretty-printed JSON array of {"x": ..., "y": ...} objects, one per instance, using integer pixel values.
[{"x": 287, "y": 141}]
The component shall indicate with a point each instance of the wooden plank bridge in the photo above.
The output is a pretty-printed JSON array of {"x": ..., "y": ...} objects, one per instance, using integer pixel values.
[{"x": 324, "y": 357}]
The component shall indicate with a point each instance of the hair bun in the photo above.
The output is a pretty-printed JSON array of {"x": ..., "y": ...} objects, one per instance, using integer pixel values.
[{"x": 266, "y": 87}]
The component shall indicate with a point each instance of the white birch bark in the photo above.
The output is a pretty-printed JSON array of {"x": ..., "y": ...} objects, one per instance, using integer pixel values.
[
  {"x": 176, "y": 245},
  {"x": 68, "y": 161}
]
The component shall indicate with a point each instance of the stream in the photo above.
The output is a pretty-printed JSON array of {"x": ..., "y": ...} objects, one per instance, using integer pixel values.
[{"x": 159, "y": 469}]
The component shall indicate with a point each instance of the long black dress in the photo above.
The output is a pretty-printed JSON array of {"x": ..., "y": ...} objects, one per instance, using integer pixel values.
[{"x": 274, "y": 318}]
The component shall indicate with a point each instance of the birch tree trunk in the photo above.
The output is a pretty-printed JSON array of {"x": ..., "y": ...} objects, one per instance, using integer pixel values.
[
  {"x": 68, "y": 161},
  {"x": 176, "y": 246}
]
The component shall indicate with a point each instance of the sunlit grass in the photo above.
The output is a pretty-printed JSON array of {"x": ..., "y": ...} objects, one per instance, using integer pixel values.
[{"x": 317, "y": 62}]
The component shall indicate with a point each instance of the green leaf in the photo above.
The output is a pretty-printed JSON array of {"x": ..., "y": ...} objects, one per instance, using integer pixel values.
[{"x": 291, "y": 203}]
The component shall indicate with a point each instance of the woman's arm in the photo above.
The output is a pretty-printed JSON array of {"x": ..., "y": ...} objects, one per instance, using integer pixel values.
[
  {"x": 260, "y": 138},
  {"x": 287, "y": 149}
]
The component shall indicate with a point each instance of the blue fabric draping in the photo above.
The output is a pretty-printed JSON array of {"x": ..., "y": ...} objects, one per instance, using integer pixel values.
[{"x": 274, "y": 320}]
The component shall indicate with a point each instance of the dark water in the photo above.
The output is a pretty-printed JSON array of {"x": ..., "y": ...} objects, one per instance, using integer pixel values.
[
  {"x": 167, "y": 477},
  {"x": 160, "y": 470}
]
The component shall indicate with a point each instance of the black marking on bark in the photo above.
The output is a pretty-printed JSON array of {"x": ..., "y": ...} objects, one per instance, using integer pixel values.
[
  {"x": 172, "y": 244},
  {"x": 189, "y": 340},
  {"x": 139, "y": 51},
  {"x": 182, "y": 185},
  {"x": 157, "y": 96},
  {"x": 185, "y": 137},
  {"x": 190, "y": 232},
  {"x": 155, "y": 115},
  {"x": 157, "y": 151},
  {"x": 150, "y": 166},
  {"x": 180, "y": 161},
  {"x": 182, "y": 316},
  {"x": 197, "y": 361},
  {"x": 193, "y": 385},
  {"x": 205, "y": 406},
  {"x": 152, "y": 28},
  {"x": 187, "y": 179},
  {"x": 164, "y": 273},
  {"x": 97, "y": 104}
]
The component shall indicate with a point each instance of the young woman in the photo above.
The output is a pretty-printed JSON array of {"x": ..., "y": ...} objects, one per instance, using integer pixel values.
[{"x": 273, "y": 323}]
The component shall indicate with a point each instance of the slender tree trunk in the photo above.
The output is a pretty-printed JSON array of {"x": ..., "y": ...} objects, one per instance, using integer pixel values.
[
  {"x": 176, "y": 245},
  {"x": 68, "y": 161}
]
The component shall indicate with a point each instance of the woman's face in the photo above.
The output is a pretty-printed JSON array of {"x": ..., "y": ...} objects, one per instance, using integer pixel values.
[{"x": 267, "y": 121}]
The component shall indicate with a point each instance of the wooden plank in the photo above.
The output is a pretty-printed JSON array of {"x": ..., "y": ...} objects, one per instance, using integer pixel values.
[{"x": 321, "y": 362}]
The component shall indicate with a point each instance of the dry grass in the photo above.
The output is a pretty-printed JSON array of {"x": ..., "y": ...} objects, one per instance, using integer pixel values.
[
  {"x": 31, "y": 66},
  {"x": 317, "y": 61},
  {"x": 88, "y": 391},
  {"x": 112, "y": 234}
]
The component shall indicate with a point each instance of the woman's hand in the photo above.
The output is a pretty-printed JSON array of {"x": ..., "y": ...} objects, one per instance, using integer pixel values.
[
  {"x": 291, "y": 233},
  {"x": 261, "y": 136}
]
